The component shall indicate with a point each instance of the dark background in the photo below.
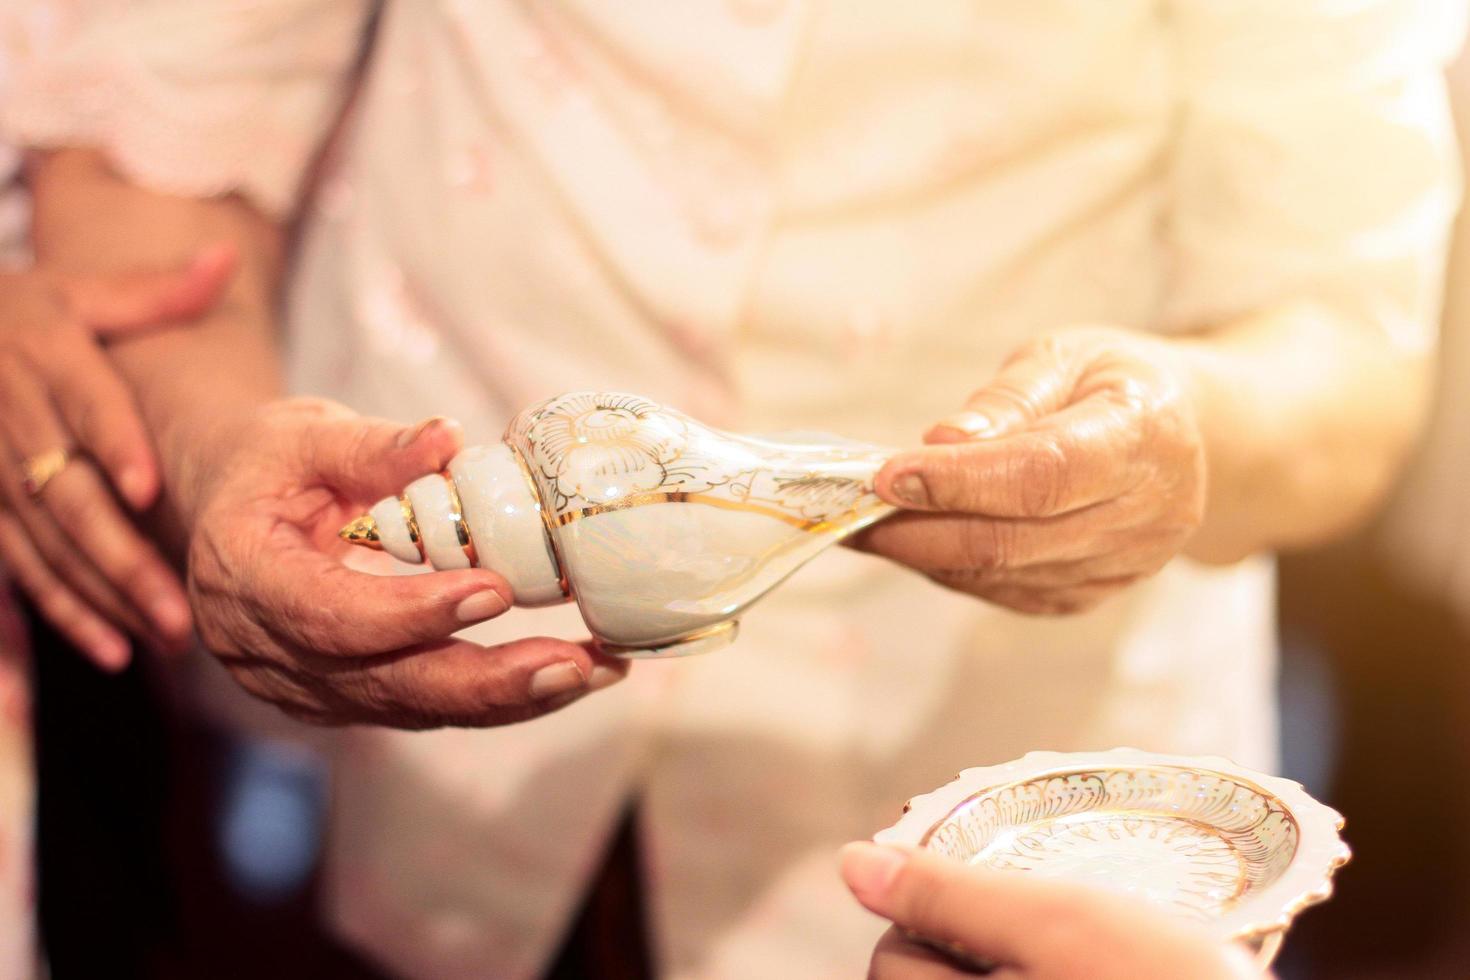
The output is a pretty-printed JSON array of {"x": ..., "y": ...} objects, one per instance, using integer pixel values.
[{"x": 145, "y": 871}]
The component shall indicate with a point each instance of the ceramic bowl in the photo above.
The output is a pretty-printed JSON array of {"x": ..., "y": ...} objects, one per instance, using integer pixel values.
[{"x": 1236, "y": 851}]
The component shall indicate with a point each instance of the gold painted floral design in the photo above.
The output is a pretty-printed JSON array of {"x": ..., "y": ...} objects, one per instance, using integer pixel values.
[
  {"x": 601, "y": 446},
  {"x": 593, "y": 451}
]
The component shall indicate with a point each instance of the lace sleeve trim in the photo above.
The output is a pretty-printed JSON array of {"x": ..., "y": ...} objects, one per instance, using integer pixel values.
[{"x": 249, "y": 125}]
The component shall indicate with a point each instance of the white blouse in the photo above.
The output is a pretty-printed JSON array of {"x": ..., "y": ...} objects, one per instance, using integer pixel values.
[{"x": 776, "y": 214}]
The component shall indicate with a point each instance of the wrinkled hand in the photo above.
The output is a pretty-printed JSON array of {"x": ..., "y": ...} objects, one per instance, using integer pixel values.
[
  {"x": 1028, "y": 927},
  {"x": 331, "y": 645},
  {"x": 73, "y": 550},
  {"x": 1077, "y": 471}
]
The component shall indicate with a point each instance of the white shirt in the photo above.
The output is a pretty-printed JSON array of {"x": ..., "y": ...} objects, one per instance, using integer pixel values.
[{"x": 779, "y": 214}]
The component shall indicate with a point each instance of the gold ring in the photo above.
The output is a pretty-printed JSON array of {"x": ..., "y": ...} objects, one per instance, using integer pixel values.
[{"x": 41, "y": 468}]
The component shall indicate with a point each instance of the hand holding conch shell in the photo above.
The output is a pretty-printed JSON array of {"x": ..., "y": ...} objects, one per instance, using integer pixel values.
[
  {"x": 1088, "y": 477},
  {"x": 335, "y": 646},
  {"x": 1078, "y": 470}
]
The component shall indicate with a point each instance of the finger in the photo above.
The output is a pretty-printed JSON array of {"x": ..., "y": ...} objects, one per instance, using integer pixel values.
[
  {"x": 1082, "y": 455},
  {"x": 896, "y": 957},
  {"x": 83, "y": 508},
  {"x": 101, "y": 413},
  {"x": 115, "y": 303},
  {"x": 314, "y": 603},
  {"x": 63, "y": 609},
  {"x": 1036, "y": 382},
  {"x": 1040, "y": 601},
  {"x": 995, "y": 915},
  {"x": 1042, "y": 927},
  {"x": 276, "y": 685},
  {"x": 982, "y": 545},
  {"x": 1117, "y": 570},
  {"x": 28, "y": 420},
  {"x": 62, "y": 557},
  {"x": 368, "y": 459},
  {"x": 455, "y": 682}
]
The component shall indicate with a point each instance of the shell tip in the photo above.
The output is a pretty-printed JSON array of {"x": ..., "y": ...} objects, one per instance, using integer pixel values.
[{"x": 362, "y": 531}]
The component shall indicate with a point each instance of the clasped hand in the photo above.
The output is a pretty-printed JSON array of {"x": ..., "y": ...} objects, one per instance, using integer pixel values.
[
  {"x": 1076, "y": 472},
  {"x": 72, "y": 546}
]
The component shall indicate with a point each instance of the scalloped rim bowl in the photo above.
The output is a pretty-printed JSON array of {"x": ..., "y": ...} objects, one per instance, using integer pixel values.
[{"x": 1237, "y": 851}]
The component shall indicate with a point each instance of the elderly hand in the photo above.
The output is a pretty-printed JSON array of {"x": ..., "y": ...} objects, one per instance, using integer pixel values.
[
  {"x": 1077, "y": 471},
  {"x": 1028, "y": 927},
  {"x": 66, "y": 541},
  {"x": 335, "y": 646}
]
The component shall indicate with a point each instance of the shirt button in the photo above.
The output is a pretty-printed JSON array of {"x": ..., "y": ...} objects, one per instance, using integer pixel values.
[
  {"x": 756, "y": 13},
  {"x": 391, "y": 319},
  {"x": 469, "y": 170},
  {"x": 723, "y": 193},
  {"x": 334, "y": 200},
  {"x": 868, "y": 332}
]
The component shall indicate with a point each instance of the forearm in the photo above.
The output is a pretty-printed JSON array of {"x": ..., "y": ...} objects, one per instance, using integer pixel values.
[
  {"x": 1306, "y": 417},
  {"x": 188, "y": 382}
]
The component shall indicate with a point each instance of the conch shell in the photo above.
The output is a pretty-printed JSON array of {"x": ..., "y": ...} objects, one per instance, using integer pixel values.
[{"x": 662, "y": 529}]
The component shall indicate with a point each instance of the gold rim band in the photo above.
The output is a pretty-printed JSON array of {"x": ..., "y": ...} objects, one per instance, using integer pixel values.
[
  {"x": 41, "y": 468},
  {"x": 717, "y": 629},
  {"x": 406, "y": 508},
  {"x": 461, "y": 526},
  {"x": 550, "y": 528},
  {"x": 709, "y": 500}
]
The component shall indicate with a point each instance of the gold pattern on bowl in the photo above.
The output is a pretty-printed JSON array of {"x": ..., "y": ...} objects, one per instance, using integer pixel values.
[{"x": 1239, "y": 852}]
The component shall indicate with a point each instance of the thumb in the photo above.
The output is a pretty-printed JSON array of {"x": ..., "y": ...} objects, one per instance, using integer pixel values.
[
  {"x": 118, "y": 302},
  {"x": 1036, "y": 381},
  {"x": 368, "y": 459},
  {"x": 992, "y": 914}
]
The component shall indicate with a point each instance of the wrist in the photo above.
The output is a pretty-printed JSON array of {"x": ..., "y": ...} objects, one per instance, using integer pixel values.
[
  {"x": 1238, "y": 443},
  {"x": 194, "y": 451},
  {"x": 198, "y": 389},
  {"x": 1196, "y": 369}
]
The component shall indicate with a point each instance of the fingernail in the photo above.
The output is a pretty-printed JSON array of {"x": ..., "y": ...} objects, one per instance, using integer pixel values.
[
  {"x": 170, "y": 615},
  {"x": 135, "y": 487},
  {"x": 910, "y": 489},
  {"x": 408, "y": 437},
  {"x": 561, "y": 700},
  {"x": 557, "y": 679},
  {"x": 480, "y": 606},
  {"x": 604, "y": 676},
  {"x": 870, "y": 868},
  {"x": 210, "y": 255},
  {"x": 970, "y": 423},
  {"x": 110, "y": 652}
]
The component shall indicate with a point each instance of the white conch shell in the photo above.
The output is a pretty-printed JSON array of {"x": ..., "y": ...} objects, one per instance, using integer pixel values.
[{"x": 663, "y": 530}]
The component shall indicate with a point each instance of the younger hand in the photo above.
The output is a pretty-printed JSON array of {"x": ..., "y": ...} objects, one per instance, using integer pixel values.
[
  {"x": 1076, "y": 472},
  {"x": 331, "y": 645},
  {"x": 1028, "y": 927},
  {"x": 70, "y": 546}
]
